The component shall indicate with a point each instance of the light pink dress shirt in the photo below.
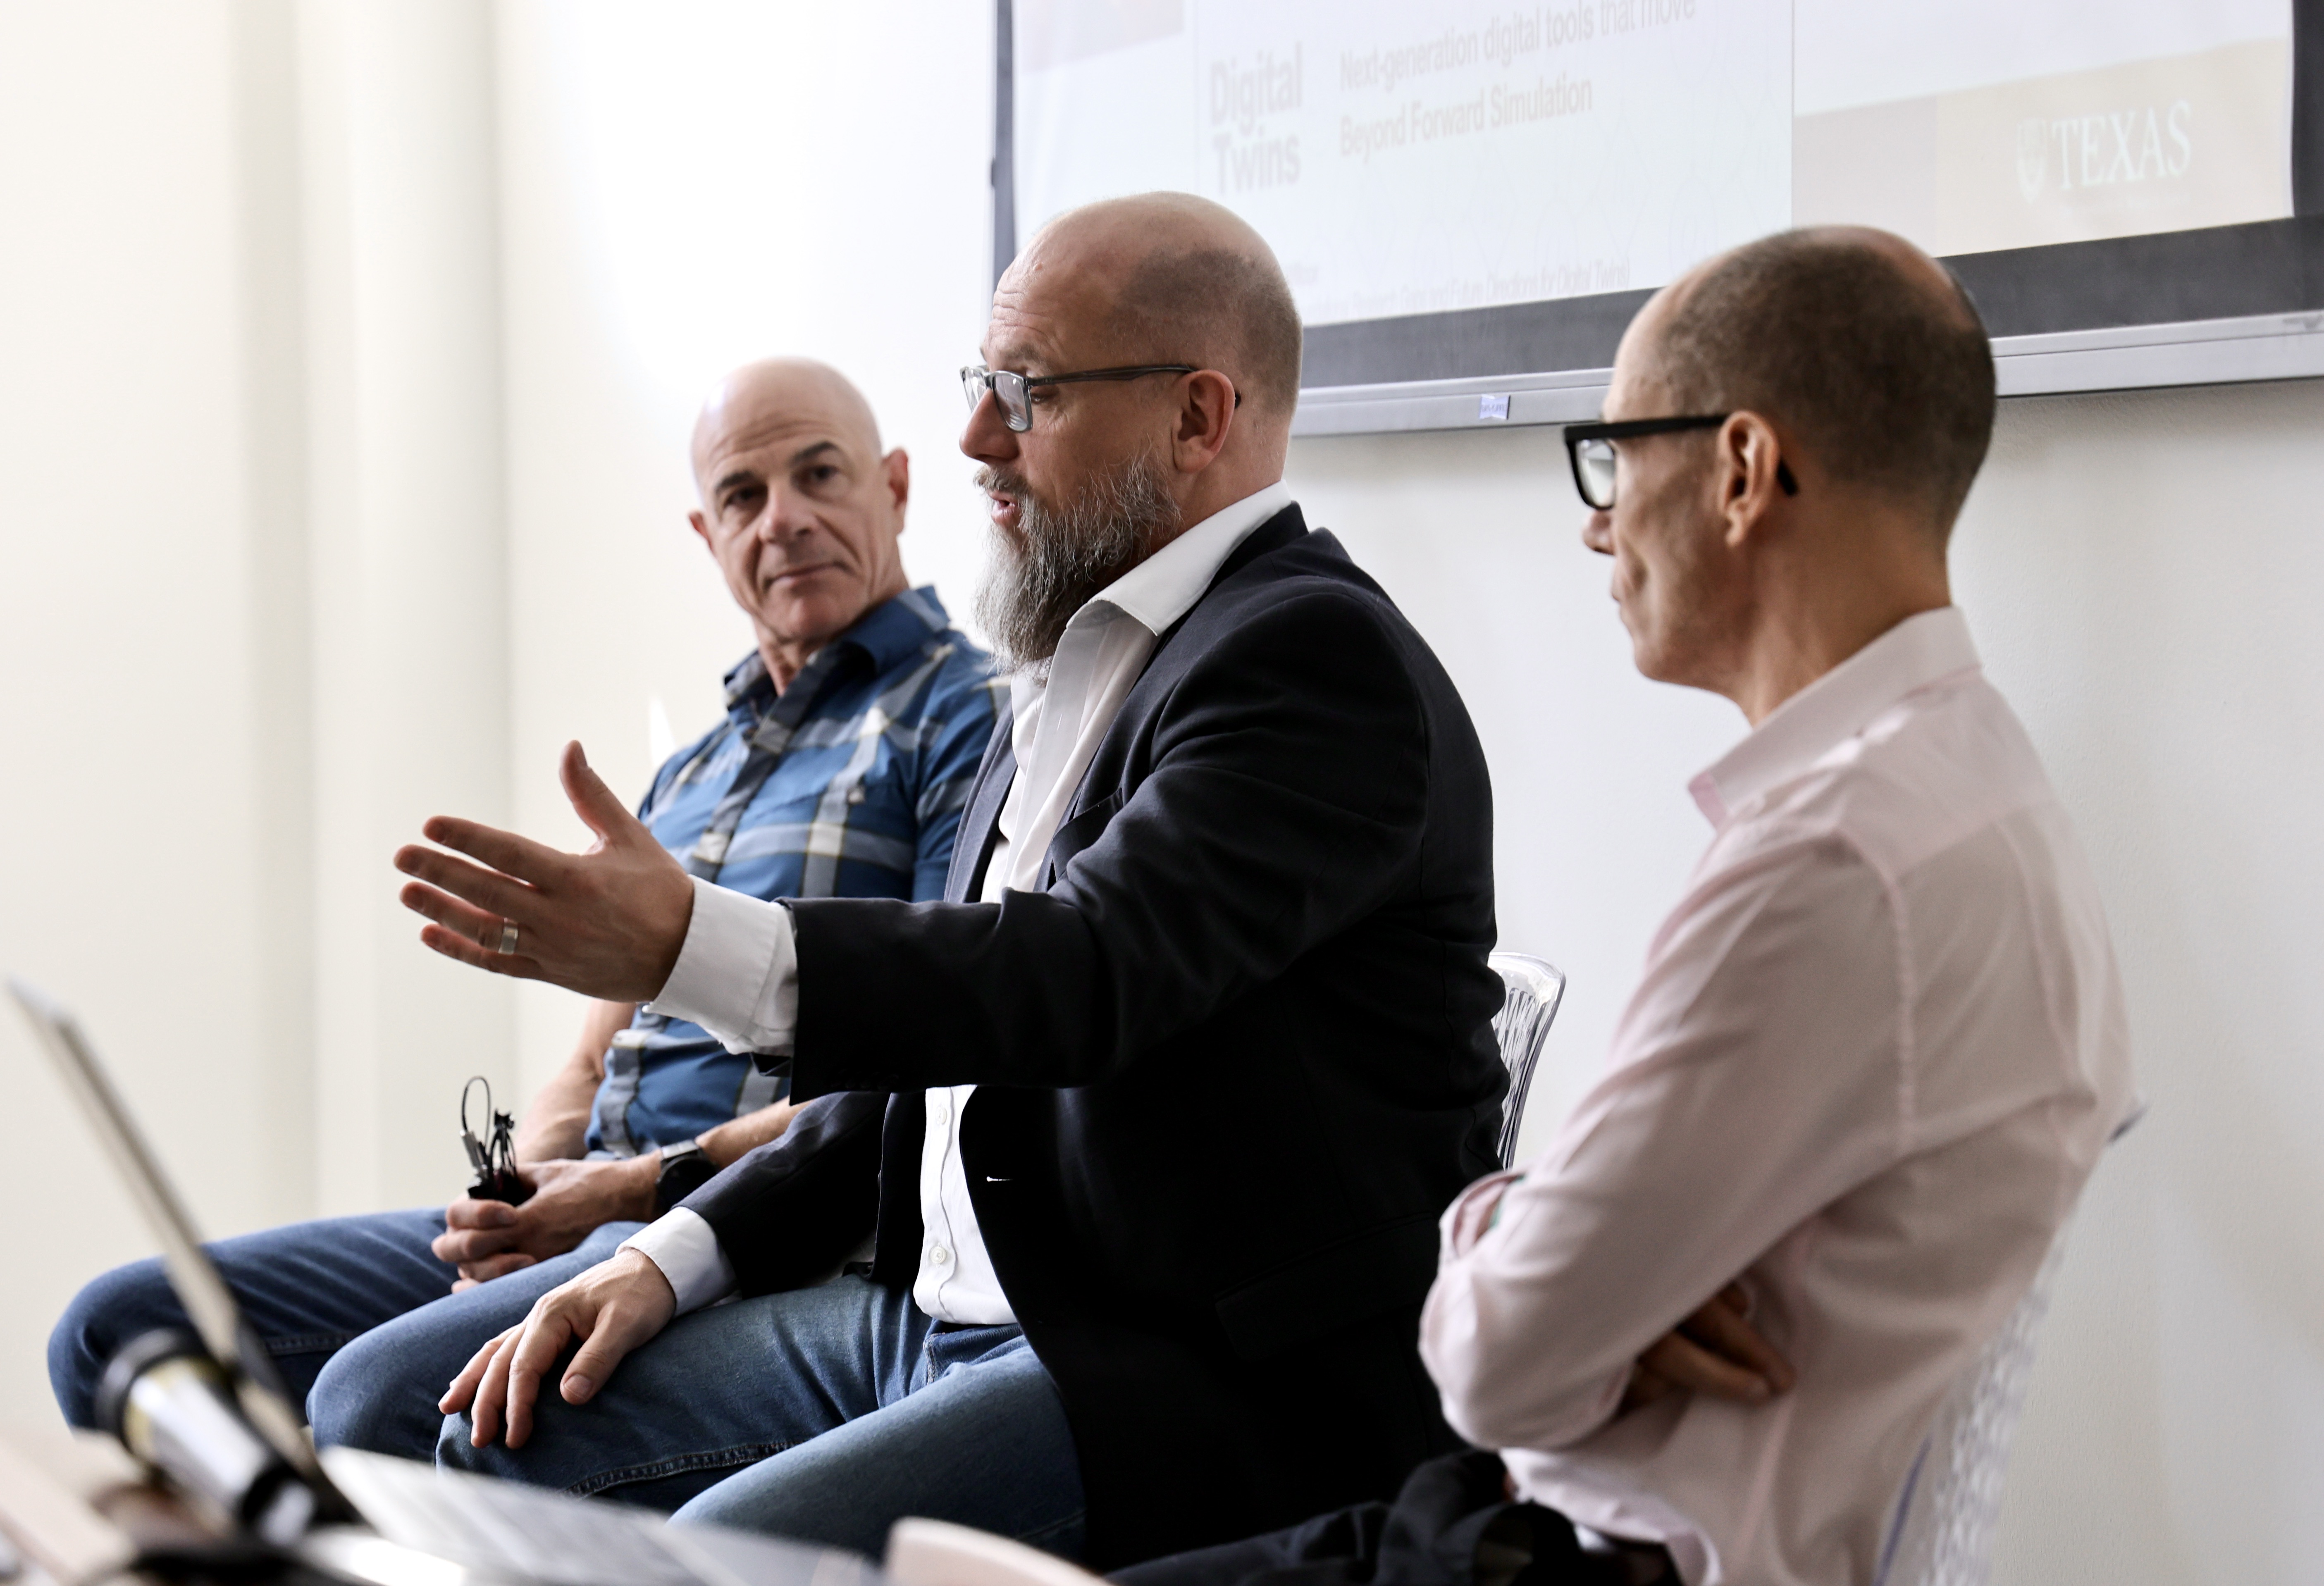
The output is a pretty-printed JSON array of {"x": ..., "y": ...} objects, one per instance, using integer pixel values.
[{"x": 1878, "y": 1046}]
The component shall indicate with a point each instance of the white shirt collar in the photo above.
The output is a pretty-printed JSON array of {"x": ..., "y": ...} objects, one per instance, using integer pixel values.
[
  {"x": 1912, "y": 655},
  {"x": 1165, "y": 586}
]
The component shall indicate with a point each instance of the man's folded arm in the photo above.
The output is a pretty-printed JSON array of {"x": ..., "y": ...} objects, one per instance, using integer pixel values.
[
  {"x": 1287, "y": 799},
  {"x": 1759, "y": 1080}
]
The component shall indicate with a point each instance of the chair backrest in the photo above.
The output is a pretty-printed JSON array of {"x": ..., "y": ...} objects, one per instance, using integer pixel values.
[
  {"x": 1531, "y": 991},
  {"x": 1942, "y": 1532}
]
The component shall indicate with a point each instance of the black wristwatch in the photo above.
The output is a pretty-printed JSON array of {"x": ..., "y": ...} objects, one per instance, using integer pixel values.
[{"x": 686, "y": 1168}]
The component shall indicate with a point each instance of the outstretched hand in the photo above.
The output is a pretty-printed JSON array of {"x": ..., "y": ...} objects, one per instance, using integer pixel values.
[
  {"x": 1716, "y": 1351},
  {"x": 607, "y": 923}
]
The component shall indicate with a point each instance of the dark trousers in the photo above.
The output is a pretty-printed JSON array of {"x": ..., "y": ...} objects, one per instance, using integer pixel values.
[{"x": 1449, "y": 1510}]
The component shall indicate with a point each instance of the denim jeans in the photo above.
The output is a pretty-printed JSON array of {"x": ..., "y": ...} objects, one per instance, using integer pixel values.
[
  {"x": 358, "y": 1315},
  {"x": 826, "y": 1414}
]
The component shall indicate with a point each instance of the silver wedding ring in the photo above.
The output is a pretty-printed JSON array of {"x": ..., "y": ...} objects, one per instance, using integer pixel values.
[{"x": 508, "y": 937}]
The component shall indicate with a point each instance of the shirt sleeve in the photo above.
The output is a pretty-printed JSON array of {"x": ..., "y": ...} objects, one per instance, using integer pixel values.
[
  {"x": 737, "y": 974},
  {"x": 682, "y": 1245},
  {"x": 1284, "y": 799},
  {"x": 1756, "y": 1075},
  {"x": 1472, "y": 1214}
]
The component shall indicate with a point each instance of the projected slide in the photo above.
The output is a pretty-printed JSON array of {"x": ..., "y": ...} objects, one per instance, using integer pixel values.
[
  {"x": 1410, "y": 157},
  {"x": 1985, "y": 124}
]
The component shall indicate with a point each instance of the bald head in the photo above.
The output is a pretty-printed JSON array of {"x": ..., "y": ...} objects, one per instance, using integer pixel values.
[
  {"x": 1862, "y": 345},
  {"x": 1178, "y": 279},
  {"x": 784, "y": 392},
  {"x": 1160, "y": 348},
  {"x": 799, "y": 507}
]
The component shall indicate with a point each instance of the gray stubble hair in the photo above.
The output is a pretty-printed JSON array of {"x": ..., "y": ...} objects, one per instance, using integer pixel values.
[{"x": 1060, "y": 557}]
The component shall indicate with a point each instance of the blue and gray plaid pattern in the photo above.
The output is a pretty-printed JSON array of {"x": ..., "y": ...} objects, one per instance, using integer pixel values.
[{"x": 849, "y": 784}]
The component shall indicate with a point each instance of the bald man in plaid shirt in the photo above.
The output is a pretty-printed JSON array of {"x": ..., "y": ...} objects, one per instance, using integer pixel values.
[{"x": 853, "y": 730}]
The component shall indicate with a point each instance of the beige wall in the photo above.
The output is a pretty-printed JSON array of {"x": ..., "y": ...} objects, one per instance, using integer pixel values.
[{"x": 341, "y": 478}]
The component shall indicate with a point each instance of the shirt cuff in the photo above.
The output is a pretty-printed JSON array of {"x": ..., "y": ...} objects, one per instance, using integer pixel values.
[
  {"x": 737, "y": 975},
  {"x": 1473, "y": 1212},
  {"x": 682, "y": 1245}
]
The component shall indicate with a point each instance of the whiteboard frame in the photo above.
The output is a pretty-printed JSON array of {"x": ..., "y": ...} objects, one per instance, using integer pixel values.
[{"x": 2204, "y": 351}]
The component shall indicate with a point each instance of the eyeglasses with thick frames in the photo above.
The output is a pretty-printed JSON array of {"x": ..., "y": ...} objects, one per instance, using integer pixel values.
[
  {"x": 1590, "y": 448},
  {"x": 1014, "y": 392}
]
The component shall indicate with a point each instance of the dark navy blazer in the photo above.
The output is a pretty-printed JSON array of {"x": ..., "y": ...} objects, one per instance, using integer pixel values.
[{"x": 1233, "y": 1060}]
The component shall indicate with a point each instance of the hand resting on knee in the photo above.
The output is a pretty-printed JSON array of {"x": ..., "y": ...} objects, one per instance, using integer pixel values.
[{"x": 611, "y": 1309}]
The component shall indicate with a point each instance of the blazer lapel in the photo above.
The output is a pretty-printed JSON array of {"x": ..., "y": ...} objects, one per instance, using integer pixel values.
[
  {"x": 1086, "y": 817},
  {"x": 1284, "y": 528},
  {"x": 980, "y": 823}
]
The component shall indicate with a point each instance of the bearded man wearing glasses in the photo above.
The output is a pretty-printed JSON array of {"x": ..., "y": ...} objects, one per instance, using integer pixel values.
[{"x": 1232, "y": 833}]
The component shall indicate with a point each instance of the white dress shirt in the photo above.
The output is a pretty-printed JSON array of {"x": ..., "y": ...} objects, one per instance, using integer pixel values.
[
  {"x": 736, "y": 976},
  {"x": 1877, "y": 1047}
]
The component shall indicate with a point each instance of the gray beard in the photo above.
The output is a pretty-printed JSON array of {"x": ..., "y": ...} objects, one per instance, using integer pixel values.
[{"x": 1062, "y": 556}]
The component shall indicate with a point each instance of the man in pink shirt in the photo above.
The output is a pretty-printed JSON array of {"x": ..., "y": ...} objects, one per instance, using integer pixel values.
[{"x": 1878, "y": 1045}]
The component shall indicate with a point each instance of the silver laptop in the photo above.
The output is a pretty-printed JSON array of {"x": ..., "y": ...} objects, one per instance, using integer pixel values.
[{"x": 418, "y": 1520}]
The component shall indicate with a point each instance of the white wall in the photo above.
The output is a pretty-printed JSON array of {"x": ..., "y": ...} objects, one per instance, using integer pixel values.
[
  {"x": 154, "y": 852},
  {"x": 2145, "y": 569},
  {"x": 409, "y": 566},
  {"x": 688, "y": 187},
  {"x": 677, "y": 188},
  {"x": 253, "y": 558},
  {"x": 2140, "y": 572}
]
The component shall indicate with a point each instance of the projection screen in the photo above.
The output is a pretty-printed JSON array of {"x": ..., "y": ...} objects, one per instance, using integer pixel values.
[{"x": 1470, "y": 199}]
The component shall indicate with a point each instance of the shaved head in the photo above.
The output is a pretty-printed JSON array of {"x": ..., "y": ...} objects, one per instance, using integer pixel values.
[
  {"x": 785, "y": 390},
  {"x": 1848, "y": 390},
  {"x": 1184, "y": 280},
  {"x": 1864, "y": 345},
  {"x": 1161, "y": 351},
  {"x": 799, "y": 505}
]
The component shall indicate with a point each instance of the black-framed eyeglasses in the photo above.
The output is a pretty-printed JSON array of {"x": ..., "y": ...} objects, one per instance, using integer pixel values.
[
  {"x": 1590, "y": 448},
  {"x": 1014, "y": 392}
]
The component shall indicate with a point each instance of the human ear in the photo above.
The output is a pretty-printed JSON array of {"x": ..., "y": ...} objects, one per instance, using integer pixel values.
[
  {"x": 1206, "y": 412},
  {"x": 897, "y": 466},
  {"x": 1750, "y": 473},
  {"x": 702, "y": 527}
]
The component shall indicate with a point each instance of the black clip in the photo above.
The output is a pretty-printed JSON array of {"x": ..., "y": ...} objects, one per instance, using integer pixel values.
[{"x": 497, "y": 1178}]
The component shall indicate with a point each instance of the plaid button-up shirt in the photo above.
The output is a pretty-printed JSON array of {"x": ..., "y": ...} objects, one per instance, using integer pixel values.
[{"x": 848, "y": 784}]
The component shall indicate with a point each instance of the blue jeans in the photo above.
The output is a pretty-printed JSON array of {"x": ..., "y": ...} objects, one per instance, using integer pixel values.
[
  {"x": 826, "y": 1414},
  {"x": 358, "y": 1315}
]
